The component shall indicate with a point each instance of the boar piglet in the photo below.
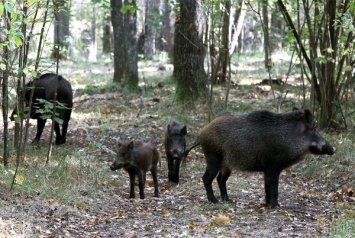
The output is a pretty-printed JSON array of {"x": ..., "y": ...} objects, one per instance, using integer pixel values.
[
  {"x": 44, "y": 88},
  {"x": 136, "y": 158},
  {"x": 258, "y": 141}
]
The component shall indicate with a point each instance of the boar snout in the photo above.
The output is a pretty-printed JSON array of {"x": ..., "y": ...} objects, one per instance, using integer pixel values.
[
  {"x": 177, "y": 154},
  {"x": 331, "y": 150},
  {"x": 116, "y": 166},
  {"x": 322, "y": 149}
]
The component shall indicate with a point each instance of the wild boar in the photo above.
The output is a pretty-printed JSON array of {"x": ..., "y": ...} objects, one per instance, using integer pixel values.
[
  {"x": 175, "y": 146},
  {"x": 136, "y": 158},
  {"x": 258, "y": 141},
  {"x": 44, "y": 88}
]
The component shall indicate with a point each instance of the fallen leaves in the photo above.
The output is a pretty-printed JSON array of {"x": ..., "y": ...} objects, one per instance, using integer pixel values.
[{"x": 222, "y": 220}]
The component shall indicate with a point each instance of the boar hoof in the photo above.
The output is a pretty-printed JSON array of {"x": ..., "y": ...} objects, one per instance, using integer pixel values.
[
  {"x": 273, "y": 205},
  {"x": 60, "y": 141},
  {"x": 35, "y": 141},
  {"x": 213, "y": 200}
]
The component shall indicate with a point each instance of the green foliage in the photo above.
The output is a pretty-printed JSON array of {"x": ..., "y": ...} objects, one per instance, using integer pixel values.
[
  {"x": 105, "y": 4},
  {"x": 46, "y": 110},
  {"x": 131, "y": 8}
]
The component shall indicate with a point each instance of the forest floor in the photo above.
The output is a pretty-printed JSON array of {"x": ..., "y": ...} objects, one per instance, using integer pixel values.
[{"x": 94, "y": 201}]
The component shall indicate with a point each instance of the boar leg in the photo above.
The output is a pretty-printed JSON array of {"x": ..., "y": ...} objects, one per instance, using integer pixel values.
[
  {"x": 40, "y": 126},
  {"x": 171, "y": 169},
  {"x": 131, "y": 181},
  {"x": 222, "y": 180},
  {"x": 177, "y": 170},
  {"x": 58, "y": 139},
  {"x": 271, "y": 178},
  {"x": 210, "y": 173},
  {"x": 155, "y": 180},
  {"x": 141, "y": 181},
  {"x": 65, "y": 127}
]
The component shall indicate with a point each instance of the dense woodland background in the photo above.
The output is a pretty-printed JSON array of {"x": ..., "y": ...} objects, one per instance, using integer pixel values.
[{"x": 134, "y": 65}]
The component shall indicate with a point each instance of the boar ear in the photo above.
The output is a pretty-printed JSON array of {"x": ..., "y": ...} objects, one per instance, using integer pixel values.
[
  {"x": 131, "y": 145},
  {"x": 308, "y": 116},
  {"x": 183, "y": 130}
]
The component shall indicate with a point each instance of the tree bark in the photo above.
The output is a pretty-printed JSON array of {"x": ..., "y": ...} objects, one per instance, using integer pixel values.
[
  {"x": 61, "y": 29},
  {"x": 265, "y": 16},
  {"x": 106, "y": 39},
  {"x": 125, "y": 43},
  {"x": 189, "y": 53},
  {"x": 118, "y": 40},
  {"x": 277, "y": 31},
  {"x": 130, "y": 29},
  {"x": 4, "y": 77},
  {"x": 168, "y": 29},
  {"x": 236, "y": 25},
  {"x": 149, "y": 32}
]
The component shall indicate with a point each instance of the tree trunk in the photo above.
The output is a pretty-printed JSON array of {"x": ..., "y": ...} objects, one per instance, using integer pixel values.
[
  {"x": 266, "y": 34},
  {"x": 219, "y": 68},
  {"x": 224, "y": 53},
  {"x": 4, "y": 76},
  {"x": 168, "y": 29},
  {"x": 130, "y": 29},
  {"x": 61, "y": 29},
  {"x": 189, "y": 53},
  {"x": 327, "y": 70},
  {"x": 237, "y": 20},
  {"x": 149, "y": 32},
  {"x": 277, "y": 31},
  {"x": 125, "y": 43},
  {"x": 106, "y": 38},
  {"x": 118, "y": 40}
]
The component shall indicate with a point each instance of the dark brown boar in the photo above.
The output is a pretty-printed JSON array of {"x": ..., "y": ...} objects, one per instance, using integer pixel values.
[
  {"x": 44, "y": 89},
  {"x": 258, "y": 141},
  {"x": 175, "y": 147},
  {"x": 137, "y": 158}
]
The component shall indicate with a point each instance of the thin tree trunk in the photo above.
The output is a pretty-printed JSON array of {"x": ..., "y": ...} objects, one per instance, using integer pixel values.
[
  {"x": 236, "y": 26},
  {"x": 168, "y": 29},
  {"x": 106, "y": 39},
  {"x": 265, "y": 26},
  {"x": 4, "y": 76},
  {"x": 149, "y": 32}
]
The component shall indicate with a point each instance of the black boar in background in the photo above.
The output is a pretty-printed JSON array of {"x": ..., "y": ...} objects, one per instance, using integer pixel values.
[{"x": 44, "y": 88}]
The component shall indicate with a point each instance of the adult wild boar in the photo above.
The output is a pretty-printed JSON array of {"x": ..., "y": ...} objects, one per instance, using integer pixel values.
[
  {"x": 136, "y": 158},
  {"x": 258, "y": 141},
  {"x": 44, "y": 88}
]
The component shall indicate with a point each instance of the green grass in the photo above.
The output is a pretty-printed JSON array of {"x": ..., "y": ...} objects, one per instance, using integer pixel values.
[
  {"x": 344, "y": 228},
  {"x": 66, "y": 176}
]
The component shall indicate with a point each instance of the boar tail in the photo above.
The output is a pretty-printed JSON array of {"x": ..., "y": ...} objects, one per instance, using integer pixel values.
[{"x": 190, "y": 148}]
